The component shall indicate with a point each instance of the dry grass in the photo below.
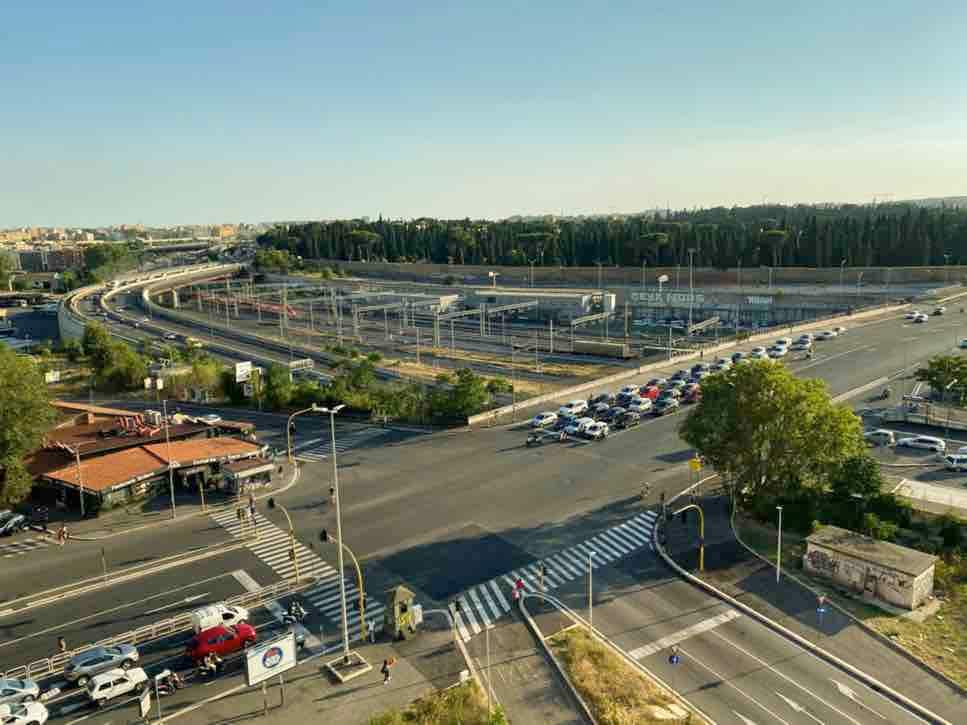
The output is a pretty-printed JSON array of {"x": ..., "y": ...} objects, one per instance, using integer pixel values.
[
  {"x": 940, "y": 641},
  {"x": 617, "y": 693},
  {"x": 409, "y": 368},
  {"x": 463, "y": 705}
]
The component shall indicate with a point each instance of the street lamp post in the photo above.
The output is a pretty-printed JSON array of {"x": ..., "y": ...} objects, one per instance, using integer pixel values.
[
  {"x": 691, "y": 288},
  {"x": 335, "y": 484},
  {"x": 591, "y": 555},
  {"x": 947, "y": 388},
  {"x": 644, "y": 263},
  {"x": 779, "y": 546},
  {"x": 363, "y": 627},
  {"x": 842, "y": 271},
  {"x": 288, "y": 426},
  {"x": 859, "y": 279},
  {"x": 171, "y": 470}
]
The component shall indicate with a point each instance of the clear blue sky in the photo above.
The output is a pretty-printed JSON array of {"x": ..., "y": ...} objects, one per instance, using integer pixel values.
[{"x": 173, "y": 112}]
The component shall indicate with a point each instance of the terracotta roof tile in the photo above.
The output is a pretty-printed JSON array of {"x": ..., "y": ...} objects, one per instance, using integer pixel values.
[
  {"x": 189, "y": 452},
  {"x": 104, "y": 472}
]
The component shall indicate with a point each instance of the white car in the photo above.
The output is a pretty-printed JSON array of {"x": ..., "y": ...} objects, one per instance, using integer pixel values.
[
  {"x": 926, "y": 442},
  {"x": 756, "y": 351},
  {"x": 783, "y": 342},
  {"x": 543, "y": 420},
  {"x": 24, "y": 713},
  {"x": 806, "y": 336},
  {"x": 778, "y": 351},
  {"x": 111, "y": 684},
  {"x": 171, "y": 336},
  {"x": 641, "y": 406},
  {"x": 578, "y": 427},
  {"x": 839, "y": 330},
  {"x": 211, "y": 419},
  {"x": 912, "y": 314},
  {"x": 758, "y": 355},
  {"x": 802, "y": 346},
  {"x": 921, "y": 318},
  {"x": 826, "y": 335},
  {"x": 574, "y": 407},
  {"x": 596, "y": 431}
]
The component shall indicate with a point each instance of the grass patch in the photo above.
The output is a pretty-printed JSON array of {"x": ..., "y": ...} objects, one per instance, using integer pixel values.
[
  {"x": 940, "y": 641},
  {"x": 462, "y": 705},
  {"x": 616, "y": 692}
]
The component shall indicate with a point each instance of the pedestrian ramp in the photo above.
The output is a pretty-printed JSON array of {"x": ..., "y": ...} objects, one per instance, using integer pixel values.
[
  {"x": 480, "y": 606},
  {"x": 273, "y": 547}
]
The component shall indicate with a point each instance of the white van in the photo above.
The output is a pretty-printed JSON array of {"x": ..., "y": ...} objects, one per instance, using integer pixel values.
[
  {"x": 215, "y": 615},
  {"x": 880, "y": 437}
]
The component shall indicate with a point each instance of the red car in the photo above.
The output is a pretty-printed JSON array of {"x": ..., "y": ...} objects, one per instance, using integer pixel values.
[
  {"x": 650, "y": 391},
  {"x": 221, "y": 640}
]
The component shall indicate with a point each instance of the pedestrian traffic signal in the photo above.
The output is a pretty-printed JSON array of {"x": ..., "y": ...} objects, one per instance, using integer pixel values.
[
  {"x": 271, "y": 502},
  {"x": 324, "y": 536}
]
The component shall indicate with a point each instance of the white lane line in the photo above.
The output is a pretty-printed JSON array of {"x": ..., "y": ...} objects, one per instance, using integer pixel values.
[
  {"x": 680, "y": 636},
  {"x": 464, "y": 634},
  {"x": 500, "y": 595},
  {"x": 481, "y": 609},
  {"x": 784, "y": 677},
  {"x": 564, "y": 565},
  {"x": 465, "y": 610},
  {"x": 859, "y": 391},
  {"x": 495, "y": 610},
  {"x": 799, "y": 709},
  {"x": 831, "y": 357}
]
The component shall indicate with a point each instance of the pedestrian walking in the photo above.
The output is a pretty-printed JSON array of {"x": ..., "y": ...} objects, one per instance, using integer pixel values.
[
  {"x": 371, "y": 628},
  {"x": 61, "y": 645},
  {"x": 62, "y": 534},
  {"x": 240, "y": 515},
  {"x": 332, "y": 494},
  {"x": 385, "y": 669},
  {"x": 251, "y": 508}
]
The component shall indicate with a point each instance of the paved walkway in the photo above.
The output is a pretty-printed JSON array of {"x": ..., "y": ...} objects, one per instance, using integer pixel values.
[{"x": 524, "y": 683}]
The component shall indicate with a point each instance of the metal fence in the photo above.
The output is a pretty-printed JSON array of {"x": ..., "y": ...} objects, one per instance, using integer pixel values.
[{"x": 50, "y": 666}]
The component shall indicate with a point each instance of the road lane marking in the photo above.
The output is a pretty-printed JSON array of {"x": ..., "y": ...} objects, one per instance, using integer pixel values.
[
  {"x": 186, "y": 600},
  {"x": 859, "y": 391},
  {"x": 851, "y": 695},
  {"x": 797, "y": 708},
  {"x": 792, "y": 682},
  {"x": 680, "y": 636}
]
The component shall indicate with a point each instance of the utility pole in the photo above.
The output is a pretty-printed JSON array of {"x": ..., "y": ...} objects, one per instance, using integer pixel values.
[
  {"x": 417, "y": 345},
  {"x": 779, "y": 546},
  {"x": 643, "y": 263},
  {"x": 842, "y": 271},
  {"x": 691, "y": 288},
  {"x": 171, "y": 470},
  {"x": 551, "y": 350}
]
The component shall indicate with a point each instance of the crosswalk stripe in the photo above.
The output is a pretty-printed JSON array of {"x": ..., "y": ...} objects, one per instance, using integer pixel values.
[
  {"x": 640, "y": 528},
  {"x": 481, "y": 610},
  {"x": 499, "y": 594},
  {"x": 599, "y": 557},
  {"x": 614, "y": 540},
  {"x": 564, "y": 565},
  {"x": 609, "y": 546},
  {"x": 639, "y": 537},
  {"x": 471, "y": 620},
  {"x": 464, "y": 634},
  {"x": 485, "y": 593},
  {"x": 574, "y": 561},
  {"x": 552, "y": 577},
  {"x": 625, "y": 538}
]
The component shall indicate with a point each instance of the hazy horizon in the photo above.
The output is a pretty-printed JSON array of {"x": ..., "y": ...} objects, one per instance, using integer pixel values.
[{"x": 242, "y": 112}]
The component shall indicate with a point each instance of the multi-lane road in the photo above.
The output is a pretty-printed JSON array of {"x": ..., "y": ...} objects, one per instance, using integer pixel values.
[{"x": 453, "y": 514}]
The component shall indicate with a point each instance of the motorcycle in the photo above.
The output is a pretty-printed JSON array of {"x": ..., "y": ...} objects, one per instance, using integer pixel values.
[
  {"x": 535, "y": 439},
  {"x": 885, "y": 394}
]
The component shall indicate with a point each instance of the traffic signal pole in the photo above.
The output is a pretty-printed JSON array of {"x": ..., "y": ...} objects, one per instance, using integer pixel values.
[{"x": 701, "y": 531}]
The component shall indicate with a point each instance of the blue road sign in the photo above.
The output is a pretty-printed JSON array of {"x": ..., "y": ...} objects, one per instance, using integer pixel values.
[{"x": 674, "y": 659}]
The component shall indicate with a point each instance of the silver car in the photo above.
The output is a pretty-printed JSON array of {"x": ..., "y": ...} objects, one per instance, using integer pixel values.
[
  {"x": 16, "y": 691},
  {"x": 85, "y": 665}
]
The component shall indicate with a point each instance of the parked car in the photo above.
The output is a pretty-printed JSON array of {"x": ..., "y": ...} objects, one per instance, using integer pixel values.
[
  {"x": 737, "y": 357},
  {"x": 671, "y": 393},
  {"x": 612, "y": 413},
  {"x": 543, "y": 420},
  {"x": 783, "y": 342},
  {"x": 880, "y": 437},
  {"x": 13, "y": 691},
  {"x": 778, "y": 352},
  {"x": 955, "y": 462},
  {"x": 11, "y": 523},
  {"x": 27, "y": 713},
  {"x": 666, "y": 405},
  {"x": 681, "y": 375},
  {"x": 574, "y": 407},
  {"x": 698, "y": 377},
  {"x": 912, "y": 314},
  {"x": 221, "y": 640},
  {"x": 700, "y": 368},
  {"x": 758, "y": 354},
  {"x": 598, "y": 410},
  {"x": 802, "y": 345},
  {"x": 963, "y": 344},
  {"x": 657, "y": 382},
  {"x": 171, "y": 336},
  {"x": 627, "y": 419},
  {"x": 650, "y": 391},
  {"x": 82, "y": 667},
  {"x": 692, "y": 394},
  {"x": 114, "y": 683},
  {"x": 563, "y": 421},
  {"x": 217, "y": 614},
  {"x": 578, "y": 426},
  {"x": 642, "y": 406},
  {"x": 628, "y": 390},
  {"x": 929, "y": 443},
  {"x": 596, "y": 431},
  {"x": 723, "y": 363},
  {"x": 603, "y": 398},
  {"x": 676, "y": 384}
]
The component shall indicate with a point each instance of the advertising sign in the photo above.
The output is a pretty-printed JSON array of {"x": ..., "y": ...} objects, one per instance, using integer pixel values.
[
  {"x": 270, "y": 659},
  {"x": 303, "y": 364},
  {"x": 147, "y": 383},
  {"x": 52, "y": 376},
  {"x": 243, "y": 371}
]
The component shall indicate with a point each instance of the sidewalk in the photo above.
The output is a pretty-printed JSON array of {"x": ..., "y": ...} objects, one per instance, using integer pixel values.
[
  {"x": 157, "y": 511},
  {"x": 426, "y": 663},
  {"x": 524, "y": 682},
  {"x": 735, "y": 571}
]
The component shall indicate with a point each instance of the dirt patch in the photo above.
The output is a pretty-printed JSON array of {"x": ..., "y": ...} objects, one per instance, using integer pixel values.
[{"x": 464, "y": 704}]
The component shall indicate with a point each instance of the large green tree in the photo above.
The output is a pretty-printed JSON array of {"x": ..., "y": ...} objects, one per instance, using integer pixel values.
[
  {"x": 946, "y": 374},
  {"x": 769, "y": 432},
  {"x": 25, "y": 414}
]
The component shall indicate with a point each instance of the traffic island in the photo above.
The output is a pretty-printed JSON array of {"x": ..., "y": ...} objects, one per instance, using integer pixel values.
[{"x": 346, "y": 667}]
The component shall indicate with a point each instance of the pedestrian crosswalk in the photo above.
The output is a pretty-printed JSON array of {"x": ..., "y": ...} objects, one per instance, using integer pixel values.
[
  {"x": 318, "y": 449},
  {"x": 22, "y": 546},
  {"x": 273, "y": 547},
  {"x": 480, "y": 606}
]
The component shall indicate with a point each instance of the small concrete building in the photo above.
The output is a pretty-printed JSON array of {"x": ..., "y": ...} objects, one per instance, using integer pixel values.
[{"x": 894, "y": 574}]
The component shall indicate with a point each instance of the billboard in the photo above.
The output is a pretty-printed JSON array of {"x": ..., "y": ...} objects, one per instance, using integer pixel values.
[
  {"x": 243, "y": 371},
  {"x": 270, "y": 659}
]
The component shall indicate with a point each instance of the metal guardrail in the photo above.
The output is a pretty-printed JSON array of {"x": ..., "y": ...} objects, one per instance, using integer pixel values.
[{"x": 50, "y": 666}]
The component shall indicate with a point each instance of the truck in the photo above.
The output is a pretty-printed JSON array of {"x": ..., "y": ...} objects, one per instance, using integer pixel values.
[{"x": 603, "y": 349}]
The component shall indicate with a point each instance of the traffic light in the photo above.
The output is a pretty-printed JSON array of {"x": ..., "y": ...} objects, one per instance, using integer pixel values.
[
  {"x": 324, "y": 536},
  {"x": 684, "y": 517},
  {"x": 271, "y": 502}
]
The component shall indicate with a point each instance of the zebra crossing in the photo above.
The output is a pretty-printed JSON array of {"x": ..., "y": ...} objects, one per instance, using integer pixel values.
[
  {"x": 273, "y": 548},
  {"x": 485, "y": 603},
  {"x": 318, "y": 449},
  {"x": 22, "y": 546}
]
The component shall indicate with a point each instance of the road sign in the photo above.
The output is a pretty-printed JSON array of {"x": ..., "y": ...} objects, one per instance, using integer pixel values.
[
  {"x": 248, "y": 389},
  {"x": 144, "y": 702},
  {"x": 270, "y": 659},
  {"x": 243, "y": 371},
  {"x": 303, "y": 364}
]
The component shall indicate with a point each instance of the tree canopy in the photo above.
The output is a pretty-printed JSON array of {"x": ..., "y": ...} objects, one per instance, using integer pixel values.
[
  {"x": 901, "y": 234},
  {"x": 769, "y": 432},
  {"x": 943, "y": 373},
  {"x": 25, "y": 414}
]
